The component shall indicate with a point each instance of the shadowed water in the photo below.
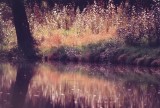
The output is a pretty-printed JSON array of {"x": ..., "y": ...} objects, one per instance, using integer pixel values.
[{"x": 56, "y": 85}]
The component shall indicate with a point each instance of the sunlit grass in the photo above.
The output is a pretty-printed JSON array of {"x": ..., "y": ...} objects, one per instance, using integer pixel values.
[
  {"x": 62, "y": 27},
  {"x": 67, "y": 27}
]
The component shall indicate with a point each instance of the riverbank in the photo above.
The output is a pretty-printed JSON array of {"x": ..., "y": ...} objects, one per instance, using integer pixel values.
[
  {"x": 16, "y": 56},
  {"x": 101, "y": 52},
  {"x": 109, "y": 53}
]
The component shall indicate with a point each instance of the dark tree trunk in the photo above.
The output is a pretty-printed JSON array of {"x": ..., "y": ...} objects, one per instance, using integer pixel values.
[{"x": 24, "y": 37}]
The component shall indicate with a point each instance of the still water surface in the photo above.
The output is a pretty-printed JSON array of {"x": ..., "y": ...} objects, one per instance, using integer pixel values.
[{"x": 56, "y": 85}]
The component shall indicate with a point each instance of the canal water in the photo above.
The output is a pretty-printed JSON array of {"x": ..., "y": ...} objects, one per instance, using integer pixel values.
[{"x": 67, "y": 85}]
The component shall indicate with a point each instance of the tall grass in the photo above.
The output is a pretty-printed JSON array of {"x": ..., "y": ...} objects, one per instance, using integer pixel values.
[
  {"x": 141, "y": 28},
  {"x": 65, "y": 26},
  {"x": 74, "y": 28}
]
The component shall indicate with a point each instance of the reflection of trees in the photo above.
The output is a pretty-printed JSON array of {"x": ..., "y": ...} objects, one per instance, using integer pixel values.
[
  {"x": 7, "y": 75},
  {"x": 7, "y": 79},
  {"x": 141, "y": 96},
  {"x": 1, "y": 33},
  {"x": 20, "y": 89},
  {"x": 76, "y": 86},
  {"x": 70, "y": 87}
]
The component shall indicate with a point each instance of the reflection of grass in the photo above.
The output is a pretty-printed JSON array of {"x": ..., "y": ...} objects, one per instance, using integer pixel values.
[
  {"x": 7, "y": 75},
  {"x": 114, "y": 73},
  {"x": 7, "y": 80},
  {"x": 64, "y": 86},
  {"x": 76, "y": 88}
]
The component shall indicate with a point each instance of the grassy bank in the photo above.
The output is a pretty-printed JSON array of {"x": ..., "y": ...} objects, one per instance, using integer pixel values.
[{"x": 107, "y": 52}]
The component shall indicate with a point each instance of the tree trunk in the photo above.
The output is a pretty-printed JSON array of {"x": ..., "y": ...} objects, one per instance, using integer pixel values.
[{"x": 24, "y": 37}]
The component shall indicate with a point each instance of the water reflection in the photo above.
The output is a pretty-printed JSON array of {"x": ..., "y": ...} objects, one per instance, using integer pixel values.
[
  {"x": 7, "y": 79},
  {"x": 25, "y": 73},
  {"x": 56, "y": 85}
]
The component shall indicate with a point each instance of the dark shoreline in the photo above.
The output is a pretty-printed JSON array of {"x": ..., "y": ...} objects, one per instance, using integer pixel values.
[
  {"x": 121, "y": 55},
  {"x": 94, "y": 54}
]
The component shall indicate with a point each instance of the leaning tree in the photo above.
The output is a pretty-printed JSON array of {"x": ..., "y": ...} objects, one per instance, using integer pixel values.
[{"x": 26, "y": 43}]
